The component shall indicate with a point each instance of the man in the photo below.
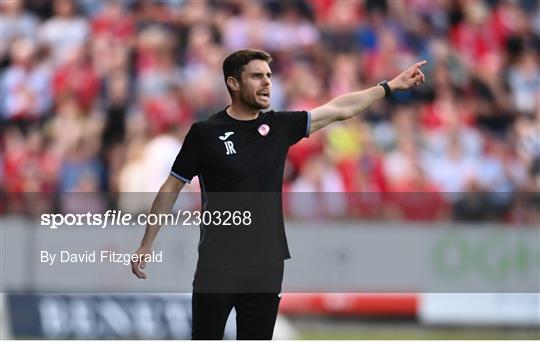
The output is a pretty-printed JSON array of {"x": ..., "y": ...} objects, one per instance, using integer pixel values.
[{"x": 239, "y": 155}]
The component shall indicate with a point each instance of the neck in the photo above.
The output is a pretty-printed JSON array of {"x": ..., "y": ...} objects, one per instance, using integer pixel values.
[{"x": 240, "y": 111}]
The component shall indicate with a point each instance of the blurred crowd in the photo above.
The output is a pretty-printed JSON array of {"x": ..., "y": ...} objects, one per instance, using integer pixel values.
[{"x": 96, "y": 96}]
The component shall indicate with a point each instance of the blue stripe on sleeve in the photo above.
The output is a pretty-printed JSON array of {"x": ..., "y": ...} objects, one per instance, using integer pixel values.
[
  {"x": 183, "y": 179},
  {"x": 308, "y": 126}
]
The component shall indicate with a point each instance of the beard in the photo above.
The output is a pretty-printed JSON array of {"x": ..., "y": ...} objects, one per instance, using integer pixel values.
[{"x": 253, "y": 103}]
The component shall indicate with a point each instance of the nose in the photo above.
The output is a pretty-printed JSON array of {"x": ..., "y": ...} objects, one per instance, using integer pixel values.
[{"x": 267, "y": 80}]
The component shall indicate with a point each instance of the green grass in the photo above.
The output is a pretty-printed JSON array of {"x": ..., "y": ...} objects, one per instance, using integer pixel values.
[
  {"x": 397, "y": 335},
  {"x": 310, "y": 329}
]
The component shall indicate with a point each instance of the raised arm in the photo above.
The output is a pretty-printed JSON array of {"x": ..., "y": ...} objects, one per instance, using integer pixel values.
[
  {"x": 346, "y": 106},
  {"x": 163, "y": 203}
]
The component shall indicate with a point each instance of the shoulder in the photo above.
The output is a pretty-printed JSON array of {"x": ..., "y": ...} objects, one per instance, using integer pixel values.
[{"x": 210, "y": 122}]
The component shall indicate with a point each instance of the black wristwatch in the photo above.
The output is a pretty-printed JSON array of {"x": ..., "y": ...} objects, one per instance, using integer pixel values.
[{"x": 387, "y": 90}]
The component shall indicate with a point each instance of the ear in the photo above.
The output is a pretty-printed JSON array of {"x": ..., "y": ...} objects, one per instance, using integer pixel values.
[{"x": 233, "y": 83}]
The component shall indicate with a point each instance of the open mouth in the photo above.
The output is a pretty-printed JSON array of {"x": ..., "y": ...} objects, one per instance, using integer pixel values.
[{"x": 265, "y": 94}]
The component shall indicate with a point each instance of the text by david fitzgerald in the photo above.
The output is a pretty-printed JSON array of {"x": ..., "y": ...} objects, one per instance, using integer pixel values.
[{"x": 88, "y": 257}]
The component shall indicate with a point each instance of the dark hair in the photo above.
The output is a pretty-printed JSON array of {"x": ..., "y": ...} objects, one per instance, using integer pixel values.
[{"x": 233, "y": 65}]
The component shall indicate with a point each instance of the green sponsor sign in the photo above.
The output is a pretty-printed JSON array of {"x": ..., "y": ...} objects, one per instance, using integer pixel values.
[{"x": 495, "y": 256}]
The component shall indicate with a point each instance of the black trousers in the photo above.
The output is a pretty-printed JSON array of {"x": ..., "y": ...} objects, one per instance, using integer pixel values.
[
  {"x": 255, "y": 315},
  {"x": 253, "y": 291}
]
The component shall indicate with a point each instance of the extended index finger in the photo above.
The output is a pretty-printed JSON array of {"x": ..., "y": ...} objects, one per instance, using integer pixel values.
[{"x": 421, "y": 63}]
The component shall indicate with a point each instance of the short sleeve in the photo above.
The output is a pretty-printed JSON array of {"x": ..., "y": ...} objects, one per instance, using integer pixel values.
[
  {"x": 297, "y": 123},
  {"x": 189, "y": 160}
]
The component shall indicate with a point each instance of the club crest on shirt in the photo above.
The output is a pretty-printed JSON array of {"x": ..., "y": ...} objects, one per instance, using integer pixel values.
[{"x": 264, "y": 129}]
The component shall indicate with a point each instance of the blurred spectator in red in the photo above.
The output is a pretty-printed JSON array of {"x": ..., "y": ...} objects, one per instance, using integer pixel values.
[
  {"x": 29, "y": 166},
  {"x": 300, "y": 153},
  {"x": 474, "y": 37},
  {"x": 113, "y": 37},
  {"x": 112, "y": 22},
  {"x": 303, "y": 91},
  {"x": 507, "y": 19},
  {"x": 415, "y": 198},
  {"x": 365, "y": 179},
  {"x": 76, "y": 77},
  {"x": 166, "y": 111}
]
